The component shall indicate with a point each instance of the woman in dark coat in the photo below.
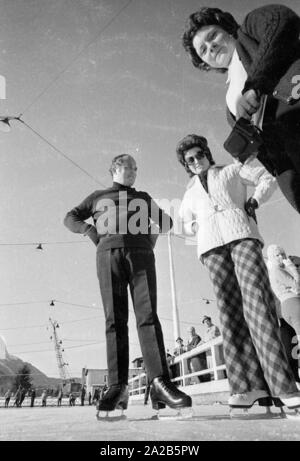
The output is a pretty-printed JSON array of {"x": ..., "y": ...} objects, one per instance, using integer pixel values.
[{"x": 257, "y": 56}]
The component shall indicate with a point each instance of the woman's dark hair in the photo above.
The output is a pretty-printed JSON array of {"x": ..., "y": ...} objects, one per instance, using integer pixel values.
[
  {"x": 188, "y": 142},
  {"x": 206, "y": 17}
]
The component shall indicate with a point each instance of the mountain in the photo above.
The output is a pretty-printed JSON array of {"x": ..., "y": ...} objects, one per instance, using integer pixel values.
[{"x": 10, "y": 366}]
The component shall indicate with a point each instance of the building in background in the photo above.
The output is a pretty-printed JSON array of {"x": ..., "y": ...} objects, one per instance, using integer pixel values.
[{"x": 94, "y": 378}]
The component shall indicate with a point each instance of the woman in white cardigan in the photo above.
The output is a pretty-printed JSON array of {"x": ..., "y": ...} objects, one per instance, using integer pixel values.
[
  {"x": 215, "y": 207},
  {"x": 285, "y": 281}
]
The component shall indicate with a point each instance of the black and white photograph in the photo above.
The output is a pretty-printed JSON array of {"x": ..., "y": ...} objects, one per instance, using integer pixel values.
[{"x": 150, "y": 201}]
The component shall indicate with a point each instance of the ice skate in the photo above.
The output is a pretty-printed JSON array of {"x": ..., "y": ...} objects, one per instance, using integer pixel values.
[
  {"x": 291, "y": 402},
  {"x": 112, "y": 405},
  {"x": 279, "y": 404},
  {"x": 164, "y": 393},
  {"x": 295, "y": 415},
  {"x": 110, "y": 416},
  {"x": 239, "y": 404},
  {"x": 178, "y": 415}
]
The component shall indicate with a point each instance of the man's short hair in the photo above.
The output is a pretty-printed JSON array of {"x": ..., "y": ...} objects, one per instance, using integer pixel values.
[
  {"x": 118, "y": 160},
  {"x": 206, "y": 318}
]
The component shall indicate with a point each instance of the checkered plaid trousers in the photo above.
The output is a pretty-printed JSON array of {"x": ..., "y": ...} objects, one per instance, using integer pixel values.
[{"x": 254, "y": 354}]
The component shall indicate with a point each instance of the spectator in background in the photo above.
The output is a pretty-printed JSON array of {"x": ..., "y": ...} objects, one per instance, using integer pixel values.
[
  {"x": 169, "y": 357},
  {"x": 59, "y": 397},
  {"x": 102, "y": 392},
  {"x": 212, "y": 330},
  {"x": 7, "y": 397},
  {"x": 194, "y": 364},
  {"x": 22, "y": 396},
  {"x": 17, "y": 397},
  {"x": 285, "y": 281},
  {"x": 176, "y": 368},
  {"x": 147, "y": 384},
  {"x": 44, "y": 398},
  {"x": 32, "y": 397},
  {"x": 90, "y": 398},
  {"x": 289, "y": 340},
  {"x": 82, "y": 395},
  {"x": 95, "y": 396},
  {"x": 72, "y": 399},
  {"x": 194, "y": 339},
  {"x": 295, "y": 260},
  {"x": 180, "y": 348}
]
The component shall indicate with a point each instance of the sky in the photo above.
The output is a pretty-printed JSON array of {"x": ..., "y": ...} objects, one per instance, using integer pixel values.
[{"x": 98, "y": 78}]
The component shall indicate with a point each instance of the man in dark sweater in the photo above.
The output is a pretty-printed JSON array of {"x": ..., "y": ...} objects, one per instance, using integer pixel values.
[{"x": 126, "y": 225}]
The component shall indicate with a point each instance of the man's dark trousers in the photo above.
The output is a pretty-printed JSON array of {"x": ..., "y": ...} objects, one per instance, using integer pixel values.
[{"x": 117, "y": 268}]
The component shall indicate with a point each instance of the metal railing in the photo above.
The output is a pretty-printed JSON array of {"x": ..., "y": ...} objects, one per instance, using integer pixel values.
[{"x": 202, "y": 365}]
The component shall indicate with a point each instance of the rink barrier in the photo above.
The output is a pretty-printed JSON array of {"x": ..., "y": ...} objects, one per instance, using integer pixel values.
[{"x": 200, "y": 370}]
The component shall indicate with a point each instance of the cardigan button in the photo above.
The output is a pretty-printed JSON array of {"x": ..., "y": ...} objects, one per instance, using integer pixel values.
[{"x": 275, "y": 93}]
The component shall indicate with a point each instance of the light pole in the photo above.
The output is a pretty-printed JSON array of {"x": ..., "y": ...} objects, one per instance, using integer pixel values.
[
  {"x": 4, "y": 122},
  {"x": 176, "y": 327}
]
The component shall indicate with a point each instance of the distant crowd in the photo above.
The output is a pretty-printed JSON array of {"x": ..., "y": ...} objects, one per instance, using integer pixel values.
[{"x": 17, "y": 398}]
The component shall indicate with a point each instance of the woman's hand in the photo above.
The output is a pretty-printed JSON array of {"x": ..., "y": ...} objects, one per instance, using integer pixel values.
[
  {"x": 293, "y": 271},
  {"x": 195, "y": 227},
  {"x": 250, "y": 206},
  {"x": 247, "y": 104}
]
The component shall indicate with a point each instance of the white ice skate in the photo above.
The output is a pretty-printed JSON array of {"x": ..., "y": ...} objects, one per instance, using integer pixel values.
[
  {"x": 292, "y": 402},
  {"x": 240, "y": 404},
  {"x": 179, "y": 414}
]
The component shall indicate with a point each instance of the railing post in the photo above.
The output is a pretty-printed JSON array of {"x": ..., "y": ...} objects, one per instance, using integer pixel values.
[
  {"x": 214, "y": 362},
  {"x": 182, "y": 371}
]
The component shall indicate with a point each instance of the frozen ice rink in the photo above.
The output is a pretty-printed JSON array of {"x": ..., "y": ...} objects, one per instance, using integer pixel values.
[{"x": 210, "y": 423}]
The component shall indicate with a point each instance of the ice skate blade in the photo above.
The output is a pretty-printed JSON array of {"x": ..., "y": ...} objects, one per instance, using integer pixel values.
[
  {"x": 179, "y": 415},
  {"x": 111, "y": 416},
  {"x": 243, "y": 413},
  {"x": 295, "y": 416}
]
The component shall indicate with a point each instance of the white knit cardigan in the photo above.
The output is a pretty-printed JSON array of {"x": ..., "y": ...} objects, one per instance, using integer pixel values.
[{"x": 220, "y": 213}]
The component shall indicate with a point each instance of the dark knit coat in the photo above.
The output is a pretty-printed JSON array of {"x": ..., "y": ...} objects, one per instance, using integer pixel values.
[{"x": 267, "y": 45}]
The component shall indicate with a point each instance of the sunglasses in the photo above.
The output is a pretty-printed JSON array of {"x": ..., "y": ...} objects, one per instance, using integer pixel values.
[{"x": 198, "y": 156}]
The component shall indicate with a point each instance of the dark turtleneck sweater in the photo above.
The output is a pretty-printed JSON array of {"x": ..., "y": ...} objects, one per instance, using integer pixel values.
[{"x": 122, "y": 216}]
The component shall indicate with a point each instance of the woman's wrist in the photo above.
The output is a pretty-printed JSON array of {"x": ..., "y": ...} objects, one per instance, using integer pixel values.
[
  {"x": 88, "y": 229},
  {"x": 195, "y": 227}
]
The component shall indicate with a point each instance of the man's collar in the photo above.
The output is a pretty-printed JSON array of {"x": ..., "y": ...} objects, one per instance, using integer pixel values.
[{"x": 118, "y": 186}]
